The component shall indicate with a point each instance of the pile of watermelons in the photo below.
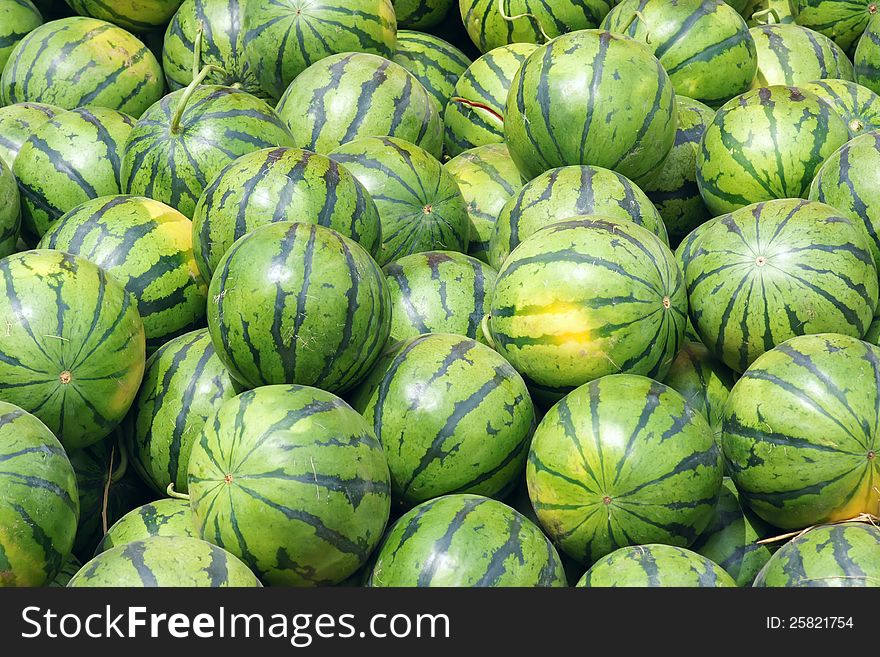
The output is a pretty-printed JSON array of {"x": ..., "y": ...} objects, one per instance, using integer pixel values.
[{"x": 404, "y": 293}]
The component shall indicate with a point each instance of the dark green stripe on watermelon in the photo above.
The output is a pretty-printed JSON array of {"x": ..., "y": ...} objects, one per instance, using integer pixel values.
[
  {"x": 17, "y": 123},
  {"x": 791, "y": 54},
  {"x": 436, "y": 63},
  {"x": 165, "y": 517},
  {"x": 657, "y": 565}
]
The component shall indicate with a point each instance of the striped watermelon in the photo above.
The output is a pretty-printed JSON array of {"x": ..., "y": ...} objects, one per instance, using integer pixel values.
[
  {"x": 474, "y": 115},
  {"x": 831, "y": 555},
  {"x": 134, "y": 15},
  {"x": 222, "y": 45},
  {"x": 657, "y": 565},
  {"x": 17, "y": 19},
  {"x": 841, "y": 20},
  {"x": 147, "y": 248},
  {"x": 68, "y": 160},
  {"x": 352, "y": 95},
  {"x": 38, "y": 502},
  {"x": 791, "y": 54},
  {"x": 298, "y": 303},
  {"x": 559, "y": 333},
  {"x": 621, "y": 461},
  {"x": 771, "y": 271},
  {"x": 734, "y": 169},
  {"x": 566, "y": 192},
  {"x": 466, "y": 541},
  {"x": 438, "y": 292},
  {"x": 285, "y": 37},
  {"x": 800, "y": 431},
  {"x": 308, "y": 520},
  {"x": 17, "y": 123},
  {"x": 419, "y": 203},
  {"x": 77, "y": 371},
  {"x": 182, "y": 142},
  {"x": 47, "y": 67},
  {"x": 165, "y": 517},
  {"x": 565, "y": 107},
  {"x": 165, "y": 561},
  {"x": 867, "y": 57},
  {"x": 858, "y": 106},
  {"x": 436, "y": 63},
  {"x": 453, "y": 417},
  {"x": 420, "y": 14},
  {"x": 281, "y": 184},
  {"x": 68, "y": 570},
  {"x": 10, "y": 211}
]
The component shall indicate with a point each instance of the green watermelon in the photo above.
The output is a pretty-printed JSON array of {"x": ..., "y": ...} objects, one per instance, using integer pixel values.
[
  {"x": 165, "y": 517},
  {"x": 791, "y": 54},
  {"x": 560, "y": 333},
  {"x": 293, "y": 481},
  {"x": 565, "y": 107},
  {"x": 419, "y": 203},
  {"x": 47, "y": 66},
  {"x": 734, "y": 169},
  {"x": 72, "y": 351},
  {"x": 165, "y": 561},
  {"x": 474, "y": 115},
  {"x": 771, "y": 271},
  {"x": 831, "y": 555},
  {"x": 17, "y": 19},
  {"x": 184, "y": 383},
  {"x": 453, "y": 417},
  {"x": 566, "y": 192},
  {"x": 867, "y": 57},
  {"x": 858, "y": 106},
  {"x": 420, "y": 14},
  {"x": 68, "y": 160},
  {"x": 487, "y": 177},
  {"x": 623, "y": 460},
  {"x": 147, "y": 248},
  {"x": 657, "y": 565},
  {"x": 134, "y": 15},
  {"x": 434, "y": 62},
  {"x": 281, "y": 184},
  {"x": 844, "y": 21},
  {"x": 17, "y": 123},
  {"x": 438, "y": 292},
  {"x": 800, "y": 438},
  {"x": 466, "y": 541},
  {"x": 352, "y": 95},
  {"x": 298, "y": 303},
  {"x": 38, "y": 502},
  {"x": 10, "y": 211},
  {"x": 182, "y": 142},
  {"x": 68, "y": 570},
  {"x": 285, "y": 37}
]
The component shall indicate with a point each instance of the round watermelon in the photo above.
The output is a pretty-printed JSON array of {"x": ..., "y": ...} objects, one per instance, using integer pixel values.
[
  {"x": 47, "y": 67},
  {"x": 298, "y": 303},
  {"x": 867, "y": 57},
  {"x": 68, "y": 570},
  {"x": 10, "y": 211},
  {"x": 17, "y": 19},
  {"x": 72, "y": 351},
  {"x": 420, "y": 14},
  {"x": 858, "y": 106},
  {"x": 38, "y": 502},
  {"x": 656, "y": 565},
  {"x": 791, "y": 54},
  {"x": 134, "y": 15},
  {"x": 800, "y": 437},
  {"x": 17, "y": 123},
  {"x": 466, "y": 541},
  {"x": 165, "y": 517},
  {"x": 844, "y": 21},
  {"x": 436, "y": 63},
  {"x": 293, "y": 481},
  {"x": 281, "y": 184}
]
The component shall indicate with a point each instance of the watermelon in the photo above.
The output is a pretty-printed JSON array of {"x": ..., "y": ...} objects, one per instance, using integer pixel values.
[
  {"x": 566, "y": 192},
  {"x": 352, "y": 95},
  {"x": 147, "y": 248},
  {"x": 47, "y": 65},
  {"x": 867, "y": 57},
  {"x": 831, "y": 555},
  {"x": 623, "y": 460},
  {"x": 438, "y": 292},
  {"x": 420, "y": 14},
  {"x": 495, "y": 23},
  {"x": 436, "y": 63},
  {"x": 134, "y": 15},
  {"x": 560, "y": 333},
  {"x": 166, "y": 517},
  {"x": 474, "y": 115},
  {"x": 453, "y": 417},
  {"x": 565, "y": 107},
  {"x": 38, "y": 502},
  {"x": 844, "y": 21},
  {"x": 10, "y": 211},
  {"x": 419, "y": 203},
  {"x": 735, "y": 170},
  {"x": 182, "y": 142},
  {"x": 800, "y": 439},
  {"x": 77, "y": 371},
  {"x": 858, "y": 106},
  {"x": 68, "y": 570},
  {"x": 293, "y": 481},
  {"x": 791, "y": 54},
  {"x": 18, "y": 18},
  {"x": 281, "y": 184},
  {"x": 165, "y": 561},
  {"x": 298, "y": 303},
  {"x": 222, "y": 45},
  {"x": 656, "y": 565},
  {"x": 285, "y": 37},
  {"x": 17, "y": 123},
  {"x": 487, "y": 177},
  {"x": 68, "y": 160},
  {"x": 466, "y": 541},
  {"x": 768, "y": 272}
]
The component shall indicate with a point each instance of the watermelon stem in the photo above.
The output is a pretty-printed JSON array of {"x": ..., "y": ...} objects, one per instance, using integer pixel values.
[
  {"x": 630, "y": 24},
  {"x": 770, "y": 14},
  {"x": 197, "y": 51},
  {"x": 173, "y": 493},
  {"x": 528, "y": 15},
  {"x": 476, "y": 105},
  {"x": 187, "y": 94},
  {"x": 484, "y": 326}
]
